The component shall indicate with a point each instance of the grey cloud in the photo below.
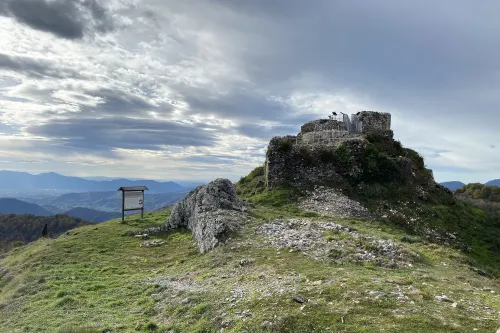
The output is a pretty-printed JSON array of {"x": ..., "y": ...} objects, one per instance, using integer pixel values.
[
  {"x": 117, "y": 102},
  {"x": 69, "y": 19},
  {"x": 242, "y": 105},
  {"x": 213, "y": 159},
  {"x": 36, "y": 68},
  {"x": 120, "y": 132},
  {"x": 429, "y": 63},
  {"x": 266, "y": 132},
  {"x": 406, "y": 55}
]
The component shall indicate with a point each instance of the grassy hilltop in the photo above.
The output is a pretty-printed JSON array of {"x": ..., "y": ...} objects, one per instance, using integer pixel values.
[{"x": 95, "y": 279}]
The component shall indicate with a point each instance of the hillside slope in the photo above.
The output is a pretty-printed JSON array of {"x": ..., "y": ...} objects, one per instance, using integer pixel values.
[
  {"x": 28, "y": 228},
  {"x": 483, "y": 196},
  {"x": 95, "y": 277},
  {"x": 15, "y": 206},
  {"x": 92, "y": 215}
]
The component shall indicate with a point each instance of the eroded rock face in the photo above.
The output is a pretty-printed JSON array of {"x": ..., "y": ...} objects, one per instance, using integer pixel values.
[{"x": 210, "y": 212}]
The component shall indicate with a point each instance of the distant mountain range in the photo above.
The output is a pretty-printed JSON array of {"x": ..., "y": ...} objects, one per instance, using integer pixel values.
[
  {"x": 19, "y": 207},
  {"x": 455, "y": 185},
  {"x": 22, "y": 181},
  {"x": 90, "y": 206},
  {"x": 102, "y": 201}
]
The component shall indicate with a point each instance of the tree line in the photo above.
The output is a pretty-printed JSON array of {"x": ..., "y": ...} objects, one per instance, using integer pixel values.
[
  {"x": 485, "y": 197},
  {"x": 22, "y": 229},
  {"x": 480, "y": 191}
]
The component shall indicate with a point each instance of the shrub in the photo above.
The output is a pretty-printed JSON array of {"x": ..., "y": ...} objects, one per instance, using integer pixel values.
[
  {"x": 285, "y": 144},
  {"x": 343, "y": 159}
]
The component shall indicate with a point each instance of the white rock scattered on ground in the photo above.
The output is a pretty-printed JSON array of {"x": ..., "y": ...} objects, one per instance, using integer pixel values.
[
  {"x": 330, "y": 202},
  {"x": 332, "y": 241}
]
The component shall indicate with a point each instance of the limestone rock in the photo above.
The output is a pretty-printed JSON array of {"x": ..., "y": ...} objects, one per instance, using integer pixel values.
[
  {"x": 210, "y": 212},
  {"x": 444, "y": 298}
]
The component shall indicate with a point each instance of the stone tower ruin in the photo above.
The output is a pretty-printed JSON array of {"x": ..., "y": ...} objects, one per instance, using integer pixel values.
[{"x": 285, "y": 155}]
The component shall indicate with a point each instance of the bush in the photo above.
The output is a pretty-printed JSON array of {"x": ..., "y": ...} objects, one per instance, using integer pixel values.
[
  {"x": 343, "y": 159},
  {"x": 285, "y": 145}
]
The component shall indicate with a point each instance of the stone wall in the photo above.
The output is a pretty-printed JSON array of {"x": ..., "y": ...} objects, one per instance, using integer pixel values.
[
  {"x": 374, "y": 121},
  {"x": 323, "y": 125},
  {"x": 301, "y": 164},
  {"x": 332, "y": 137}
]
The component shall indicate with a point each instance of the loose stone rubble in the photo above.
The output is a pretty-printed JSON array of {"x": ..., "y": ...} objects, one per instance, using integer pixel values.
[
  {"x": 330, "y": 202},
  {"x": 333, "y": 242}
]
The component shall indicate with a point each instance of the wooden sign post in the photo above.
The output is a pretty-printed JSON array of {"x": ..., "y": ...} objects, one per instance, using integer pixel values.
[{"x": 132, "y": 199}]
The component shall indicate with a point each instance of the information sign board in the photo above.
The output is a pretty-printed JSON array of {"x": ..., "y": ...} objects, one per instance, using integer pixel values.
[{"x": 134, "y": 200}]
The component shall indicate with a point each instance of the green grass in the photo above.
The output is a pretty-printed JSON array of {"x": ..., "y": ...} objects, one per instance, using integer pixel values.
[{"x": 96, "y": 280}]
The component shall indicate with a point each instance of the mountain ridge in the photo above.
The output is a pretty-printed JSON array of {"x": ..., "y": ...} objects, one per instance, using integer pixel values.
[
  {"x": 19, "y": 207},
  {"x": 13, "y": 180},
  {"x": 494, "y": 182},
  {"x": 453, "y": 185}
]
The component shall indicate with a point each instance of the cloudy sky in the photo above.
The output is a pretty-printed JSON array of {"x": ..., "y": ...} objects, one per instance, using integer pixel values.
[{"x": 194, "y": 89}]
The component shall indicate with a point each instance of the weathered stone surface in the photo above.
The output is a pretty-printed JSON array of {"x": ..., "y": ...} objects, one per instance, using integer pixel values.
[
  {"x": 329, "y": 137},
  {"x": 307, "y": 164},
  {"x": 322, "y": 125},
  {"x": 210, "y": 211},
  {"x": 331, "y": 202},
  {"x": 374, "y": 121},
  {"x": 328, "y": 241}
]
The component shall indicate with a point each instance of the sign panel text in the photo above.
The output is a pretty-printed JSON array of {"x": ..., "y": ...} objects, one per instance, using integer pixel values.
[{"x": 134, "y": 200}]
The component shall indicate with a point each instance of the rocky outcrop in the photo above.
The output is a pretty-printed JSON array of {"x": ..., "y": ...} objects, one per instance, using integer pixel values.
[
  {"x": 210, "y": 212},
  {"x": 288, "y": 164}
]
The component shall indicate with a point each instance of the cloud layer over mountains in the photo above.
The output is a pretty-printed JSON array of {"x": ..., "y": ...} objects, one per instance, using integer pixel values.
[{"x": 195, "y": 89}]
